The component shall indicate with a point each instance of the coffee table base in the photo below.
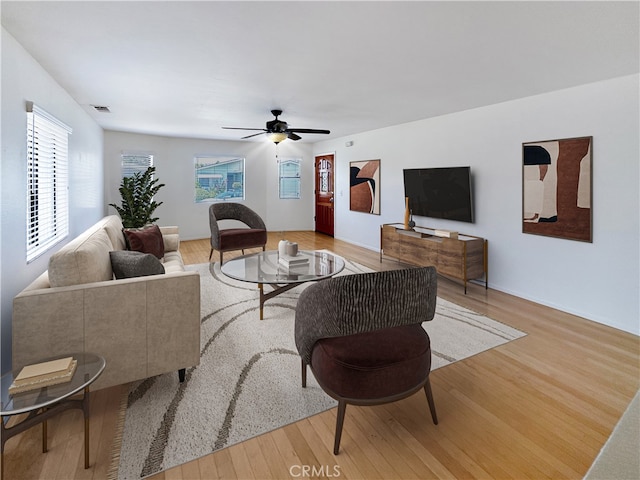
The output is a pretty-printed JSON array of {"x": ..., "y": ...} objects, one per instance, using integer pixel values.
[
  {"x": 277, "y": 290},
  {"x": 36, "y": 417}
]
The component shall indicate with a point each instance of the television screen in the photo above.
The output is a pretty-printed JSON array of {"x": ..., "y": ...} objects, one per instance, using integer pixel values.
[{"x": 440, "y": 192}]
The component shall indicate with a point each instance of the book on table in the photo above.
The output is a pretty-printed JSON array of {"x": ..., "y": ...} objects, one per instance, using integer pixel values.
[
  {"x": 289, "y": 261},
  {"x": 44, "y": 374}
]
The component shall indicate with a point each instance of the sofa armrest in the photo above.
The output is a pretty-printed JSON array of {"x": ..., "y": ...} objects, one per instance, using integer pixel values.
[{"x": 143, "y": 326}]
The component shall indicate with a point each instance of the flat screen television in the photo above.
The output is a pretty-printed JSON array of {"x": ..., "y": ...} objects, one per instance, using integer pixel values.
[{"x": 440, "y": 192}]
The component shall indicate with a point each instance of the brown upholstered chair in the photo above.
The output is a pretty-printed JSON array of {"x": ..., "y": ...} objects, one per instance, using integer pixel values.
[
  {"x": 362, "y": 336},
  {"x": 228, "y": 239}
]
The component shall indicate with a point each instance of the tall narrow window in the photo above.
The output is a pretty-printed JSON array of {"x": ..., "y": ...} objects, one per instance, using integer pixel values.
[
  {"x": 48, "y": 181},
  {"x": 289, "y": 174},
  {"x": 135, "y": 162}
]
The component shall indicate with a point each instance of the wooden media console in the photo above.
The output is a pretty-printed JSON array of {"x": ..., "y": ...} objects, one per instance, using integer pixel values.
[{"x": 463, "y": 257}]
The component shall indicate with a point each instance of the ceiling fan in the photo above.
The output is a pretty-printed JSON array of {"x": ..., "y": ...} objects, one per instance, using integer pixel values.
[{"x": 278, "y": 130}]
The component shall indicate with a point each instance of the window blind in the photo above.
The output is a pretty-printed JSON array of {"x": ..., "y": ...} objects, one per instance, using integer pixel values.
[
  {"x": 47, "y": 181},
  {"x": 135, "y": 163}
]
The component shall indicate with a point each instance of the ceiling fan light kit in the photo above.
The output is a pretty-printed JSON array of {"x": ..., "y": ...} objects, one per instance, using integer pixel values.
[
  {"x": 278, "y": 130},
  {"x": 277, "y": 137}
]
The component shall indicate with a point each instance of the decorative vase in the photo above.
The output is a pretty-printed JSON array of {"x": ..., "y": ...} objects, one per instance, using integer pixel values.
[
  {"x": 406, "y": 213},
  {"x": 282, "y": 247},
  {"x": 292, "y": 249}
]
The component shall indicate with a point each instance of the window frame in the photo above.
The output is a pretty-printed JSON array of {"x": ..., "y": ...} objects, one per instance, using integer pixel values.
[
  {"x": 47, "y": 198},
  {"x": 217, "y": 183},
  {"x": 296, "y": 178}
]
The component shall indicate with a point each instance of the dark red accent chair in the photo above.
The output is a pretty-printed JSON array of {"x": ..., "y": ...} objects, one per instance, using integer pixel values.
[
  {"x": 363, "y": 338},
  {"x": 228, "y": 239}
]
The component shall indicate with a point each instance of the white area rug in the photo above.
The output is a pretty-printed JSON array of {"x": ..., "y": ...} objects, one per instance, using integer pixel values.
[{"x": 248, "y": 380}]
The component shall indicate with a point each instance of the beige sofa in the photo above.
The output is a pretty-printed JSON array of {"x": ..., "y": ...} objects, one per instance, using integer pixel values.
[{"x": 143, "y": 326}]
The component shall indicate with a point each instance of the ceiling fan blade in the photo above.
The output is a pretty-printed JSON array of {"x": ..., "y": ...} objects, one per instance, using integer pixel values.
[
  {"x": 242, "y": 128},
  {"x": 293, "y": 136},
  {"x": 252, "y": 135},
  {"x": 307, "y": 130}
]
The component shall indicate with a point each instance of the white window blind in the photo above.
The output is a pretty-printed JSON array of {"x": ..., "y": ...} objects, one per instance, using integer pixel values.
[
  {"x": 135, "y": 162},
  {"x": 48, "y": 181}
]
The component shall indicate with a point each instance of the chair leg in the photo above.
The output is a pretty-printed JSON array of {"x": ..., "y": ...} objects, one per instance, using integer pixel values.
[
  {"x": 432, "y": 405},
  {"x": 342, "y": 408},
  {"x": 210, "y": 254},
  {"x": 304, "y": 373},
  {"x": 221, "y": 258}
]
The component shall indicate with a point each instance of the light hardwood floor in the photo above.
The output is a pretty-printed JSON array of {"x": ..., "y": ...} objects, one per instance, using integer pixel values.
[{"x": 538, "y": 407}]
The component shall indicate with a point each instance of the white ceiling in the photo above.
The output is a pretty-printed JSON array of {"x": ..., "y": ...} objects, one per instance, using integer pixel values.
[{"x": 188, "y": 68}]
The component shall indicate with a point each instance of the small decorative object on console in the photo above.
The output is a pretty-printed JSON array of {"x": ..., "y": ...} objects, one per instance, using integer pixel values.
[
  {"x": 446, "y": 233},
  {"x": 406, "y": 213}
]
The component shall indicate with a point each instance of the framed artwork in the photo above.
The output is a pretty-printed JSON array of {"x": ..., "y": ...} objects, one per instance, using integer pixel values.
[
  {"x": 364, "y": 186},
  {"x": 556, "y": 188}
]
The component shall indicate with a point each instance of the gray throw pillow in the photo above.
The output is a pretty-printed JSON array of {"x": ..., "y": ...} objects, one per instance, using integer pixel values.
[{"x": 128, "y": 264}]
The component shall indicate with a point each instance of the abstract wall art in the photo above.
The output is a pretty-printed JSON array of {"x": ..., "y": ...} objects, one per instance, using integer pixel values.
[
  {"x": 364, "y": 186},
  {"x": 556, "y": 188}
]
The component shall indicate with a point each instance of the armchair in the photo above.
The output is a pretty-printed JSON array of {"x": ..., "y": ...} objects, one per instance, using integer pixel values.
[
  {"x": 225, "y": 240},
  {"x": 362, "y": 336}
]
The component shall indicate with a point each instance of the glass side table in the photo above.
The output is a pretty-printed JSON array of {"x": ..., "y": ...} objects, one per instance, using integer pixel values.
[{"x": 43, "y": 403}]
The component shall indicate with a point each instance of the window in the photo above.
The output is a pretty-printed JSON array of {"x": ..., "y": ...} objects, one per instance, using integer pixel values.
[
  {"x": 289, "y": 174},
  {"x": 48, "y": 181},
  {"x": 219, "y": 178},
  {"x": 134, "y": 163}
]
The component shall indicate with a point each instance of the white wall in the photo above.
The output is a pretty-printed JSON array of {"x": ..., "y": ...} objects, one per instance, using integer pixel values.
[
  {"x": 174, "y": 161},
  {"x": 599, "y": 280},
  {"x": 23, "y": 79}
]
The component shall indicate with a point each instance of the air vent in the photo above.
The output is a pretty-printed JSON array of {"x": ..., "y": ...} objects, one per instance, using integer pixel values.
[{"x": 101, "y": 108}]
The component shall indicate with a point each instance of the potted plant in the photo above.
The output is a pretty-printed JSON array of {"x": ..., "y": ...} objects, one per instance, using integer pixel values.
[{"x": 137, "y": 194}]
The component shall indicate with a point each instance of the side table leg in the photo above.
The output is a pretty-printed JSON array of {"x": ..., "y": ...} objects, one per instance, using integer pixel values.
[
  {"x": 85, "y": 409},
  {"x": 44, "y": 437}
]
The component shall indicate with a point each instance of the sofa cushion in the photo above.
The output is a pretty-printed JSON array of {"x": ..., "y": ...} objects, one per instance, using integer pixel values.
[
  {"x": 128, "y": 264},
  {"x": 171, "y": 242},
  {"x": 84, "y": 260},
  {"x": 113, "y": 227},
  {"x": 146, "y": 240},
  {"x": 172, "y": 262}
]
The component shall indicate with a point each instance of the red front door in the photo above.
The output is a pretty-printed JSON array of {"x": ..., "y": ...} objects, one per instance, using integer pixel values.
[{"x": 324, "y": 194}]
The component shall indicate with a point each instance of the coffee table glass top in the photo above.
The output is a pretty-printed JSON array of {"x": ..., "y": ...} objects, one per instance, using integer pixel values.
[
  {"x": 264, "y": 267},
  {"x": 89, "y": 368}
]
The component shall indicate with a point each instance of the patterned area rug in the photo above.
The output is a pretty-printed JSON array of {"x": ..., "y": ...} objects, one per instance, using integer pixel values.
[{"x": 248, "y": 380}]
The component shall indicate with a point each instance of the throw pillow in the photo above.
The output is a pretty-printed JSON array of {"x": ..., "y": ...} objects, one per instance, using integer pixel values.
[
  {"x": 146, "y": 240},
  {"x": 128, "y": 264}
]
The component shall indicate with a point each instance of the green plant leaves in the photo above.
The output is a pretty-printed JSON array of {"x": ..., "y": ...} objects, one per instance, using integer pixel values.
[{"x": 137, "y": 194}]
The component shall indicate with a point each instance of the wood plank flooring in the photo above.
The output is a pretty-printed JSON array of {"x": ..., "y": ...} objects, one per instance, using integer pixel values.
[{"x": 538, "y": 407}]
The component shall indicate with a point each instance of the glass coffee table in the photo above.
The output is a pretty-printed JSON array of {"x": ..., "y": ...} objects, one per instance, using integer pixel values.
[
  {"x": 264, "y": 268},
  {"x": 43, "y": 403}
]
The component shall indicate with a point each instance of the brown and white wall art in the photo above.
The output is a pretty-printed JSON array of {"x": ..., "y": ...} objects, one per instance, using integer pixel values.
[
  {"x": 364, "y": 186},
  {"x": 556, "y": 188}
]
